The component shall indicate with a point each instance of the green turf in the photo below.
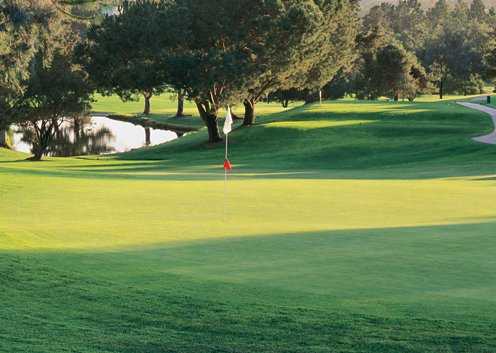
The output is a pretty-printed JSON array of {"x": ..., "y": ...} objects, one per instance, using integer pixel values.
[
  {"x": 164, "y": 109},
  {"x": 345, "y": 227}
]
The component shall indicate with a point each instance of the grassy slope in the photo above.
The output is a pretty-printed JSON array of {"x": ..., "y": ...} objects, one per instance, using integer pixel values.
[{"x": 364, "y": 227}]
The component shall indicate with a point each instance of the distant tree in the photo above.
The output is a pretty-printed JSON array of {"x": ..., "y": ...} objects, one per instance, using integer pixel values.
[
  {"x": 456, "y": 49},
  {"x": 339, "y": 86},
  {"x": 285, "y": 97},
  {"x": 369, "y": 43},
  {"x": 398, "y": 73},
  {"x": 279, "y": 65},
  {"x": 386, "y": 68},
  {"x": 478, "y": 10},
  {"x": 406, "y": 21},
  {"x": 122, "y": 54},
  {"x": 437, "y": 15}
]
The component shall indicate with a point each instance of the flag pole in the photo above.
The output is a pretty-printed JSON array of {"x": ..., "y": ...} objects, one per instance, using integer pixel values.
[
  {"x": 225, "y": 188},
  {"x": 227, "y": 165},
  {"x": 227, "y": 138}
]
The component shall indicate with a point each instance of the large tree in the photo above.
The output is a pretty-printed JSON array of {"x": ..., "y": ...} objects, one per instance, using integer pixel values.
[
  {"x": 55, "y": 88},
  {"x": 20, "y": 22}
]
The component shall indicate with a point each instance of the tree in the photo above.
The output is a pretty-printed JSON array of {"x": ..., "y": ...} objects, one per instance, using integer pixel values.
[
  {"x": 180, "y": 104},
  {"x": 20, "y": 21},
  {"x": 329, "y": 45},
  {"x": 241, "y": 57},
  {"x": 122, "y": 53},
  {"x": 339, "y": 86},
  {"x": 398, "y": 74},
  {"x": 437, "y": 15},
  {"x": 456, "y": 50},
  {"x": 478, "y": 10},
  {"x": 55, "y": 89},
  {"x": 286, "y": 96},
  {"x": 386, "y": 68},
  {"x": 369, "y": 42},
  {"x": 406, "y": 21}
]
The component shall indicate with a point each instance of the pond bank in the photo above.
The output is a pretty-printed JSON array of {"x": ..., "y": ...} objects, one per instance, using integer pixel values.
[{"x": 146, "y": 122}]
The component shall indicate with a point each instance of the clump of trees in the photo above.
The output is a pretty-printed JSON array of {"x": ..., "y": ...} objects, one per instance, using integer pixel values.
[
  {"x": 214, "y": 53},
  {"x": 404, "y": 49},
  {"x": 447, "y": 48}
]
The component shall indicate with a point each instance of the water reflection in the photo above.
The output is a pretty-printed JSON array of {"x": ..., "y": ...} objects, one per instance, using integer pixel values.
[{"x": 94, "y": 135}]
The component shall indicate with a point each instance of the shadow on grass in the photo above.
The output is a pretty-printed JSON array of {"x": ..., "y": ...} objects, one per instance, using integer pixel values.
[{"x": 418, "y": 289}]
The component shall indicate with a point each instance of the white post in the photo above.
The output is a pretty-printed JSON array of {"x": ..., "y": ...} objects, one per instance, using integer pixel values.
[
  {"x": 227, "y": 137},
  {"x": 225, "y": 183},
  {"x": 320, "y": 96}
]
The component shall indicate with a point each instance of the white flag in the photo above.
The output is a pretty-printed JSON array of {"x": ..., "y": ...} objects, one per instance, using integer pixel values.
[{"x": 228, "y": 122}]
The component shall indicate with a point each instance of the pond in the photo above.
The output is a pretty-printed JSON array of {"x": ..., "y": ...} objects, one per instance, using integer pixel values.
[{"x": 95, "y": 135}]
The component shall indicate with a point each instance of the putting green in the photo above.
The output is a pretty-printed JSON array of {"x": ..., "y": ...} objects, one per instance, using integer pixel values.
[{"x": 348, "y": 227}]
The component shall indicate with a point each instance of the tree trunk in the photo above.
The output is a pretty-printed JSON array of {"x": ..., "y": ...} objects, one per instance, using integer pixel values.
[
  {"x": 147, "y": 96},
  {"x": 441, "y": 89},
  {"x": 213, "y": 128},
  {"x": 249, "y": 112},
  {"x": 180, "y": 105},
  {"x": 210, "y": 120},
  {"x": 396, "y": 97},
  {"x": 312, "y": 97},
  {"x": 77, "y": 129},
  {"x": 148, "y": 141},
  {"x": 36, "y": 156},
  {"x": 3, "y": 138},
  {"x": 39, "y": 150}
]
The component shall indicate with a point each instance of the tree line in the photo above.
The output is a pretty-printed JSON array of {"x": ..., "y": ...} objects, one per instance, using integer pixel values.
[
  {"x": 404, "y": 49},
  {"x": 232, "y": 52}
]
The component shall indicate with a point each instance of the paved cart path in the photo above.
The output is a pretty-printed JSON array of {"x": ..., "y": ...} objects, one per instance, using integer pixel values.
[{"x": 491, "y": 138}]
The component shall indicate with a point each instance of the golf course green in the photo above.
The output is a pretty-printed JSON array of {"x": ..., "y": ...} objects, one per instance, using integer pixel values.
[{"x": 345, "y": 226}]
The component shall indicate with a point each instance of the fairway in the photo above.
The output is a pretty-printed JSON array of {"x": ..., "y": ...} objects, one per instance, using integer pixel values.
[{"x": 347, "y": 226}]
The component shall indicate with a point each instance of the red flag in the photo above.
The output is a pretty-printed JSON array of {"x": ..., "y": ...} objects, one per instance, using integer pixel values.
[{"x": 227, "y": 165}]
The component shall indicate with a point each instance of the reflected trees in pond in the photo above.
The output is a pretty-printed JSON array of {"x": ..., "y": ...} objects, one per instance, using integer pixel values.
[{"x": 67, "y": 137}]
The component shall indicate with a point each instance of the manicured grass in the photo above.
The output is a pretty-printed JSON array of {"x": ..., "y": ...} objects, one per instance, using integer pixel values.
[
  {"x": 345, "y": 227},
  {"x": 164, "y": 108}
]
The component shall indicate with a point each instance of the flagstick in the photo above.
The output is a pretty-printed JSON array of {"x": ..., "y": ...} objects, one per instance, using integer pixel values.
[
  {"x": 225, "y": 183},
  {"x": 225, "y": 195},
  {"x": 227, "y": 166},
  {"x": 227, "y": 137}
]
